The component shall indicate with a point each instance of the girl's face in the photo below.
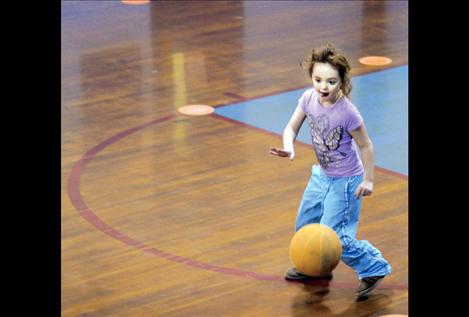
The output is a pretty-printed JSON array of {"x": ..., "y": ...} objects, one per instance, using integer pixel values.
[{"x": 327, "y": 83}]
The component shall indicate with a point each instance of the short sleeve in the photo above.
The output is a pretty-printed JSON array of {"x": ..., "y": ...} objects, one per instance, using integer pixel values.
[
  {"x": 305, "y": 99},
  {"x": 354, "y": 119}
]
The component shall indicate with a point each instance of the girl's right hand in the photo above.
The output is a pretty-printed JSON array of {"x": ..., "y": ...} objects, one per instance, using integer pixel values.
[{"x": 282, "y": 153}]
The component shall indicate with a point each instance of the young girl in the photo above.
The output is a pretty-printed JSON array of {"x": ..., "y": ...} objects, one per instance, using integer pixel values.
[{"x": 345, "y": 171}]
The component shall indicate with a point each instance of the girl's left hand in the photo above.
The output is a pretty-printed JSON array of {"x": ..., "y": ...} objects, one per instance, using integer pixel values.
[{"x": 365, "y": 189}]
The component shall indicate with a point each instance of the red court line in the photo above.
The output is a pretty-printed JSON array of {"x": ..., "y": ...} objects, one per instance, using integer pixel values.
[
  {"x": 216, "y": 115},
  {"x": 241, "y": 98},
  {"x": 73, "y": 188},
  {"x": 234, "y": 95}
]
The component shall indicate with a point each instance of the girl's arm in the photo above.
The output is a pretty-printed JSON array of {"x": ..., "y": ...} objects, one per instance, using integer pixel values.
[
  {"x": 289, "y": 135},
  {"x": 360, "y": 135}
]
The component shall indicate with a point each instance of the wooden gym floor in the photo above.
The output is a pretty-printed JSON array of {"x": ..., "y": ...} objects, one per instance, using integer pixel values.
[{"x": 165, "y": 214}]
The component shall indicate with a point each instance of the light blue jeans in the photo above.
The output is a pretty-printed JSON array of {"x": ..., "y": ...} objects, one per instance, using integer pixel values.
[{"x": 331, "y": 201}]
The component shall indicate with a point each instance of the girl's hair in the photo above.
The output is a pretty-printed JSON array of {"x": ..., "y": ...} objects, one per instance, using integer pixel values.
[{"x": 329, "y": 54}]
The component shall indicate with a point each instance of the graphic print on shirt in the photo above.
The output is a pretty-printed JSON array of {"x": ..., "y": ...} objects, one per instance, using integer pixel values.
[{"x": 325, "y": 144}]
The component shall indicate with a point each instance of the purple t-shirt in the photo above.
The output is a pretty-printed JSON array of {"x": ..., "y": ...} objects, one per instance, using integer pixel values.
[{"x": 330, "y": 129}]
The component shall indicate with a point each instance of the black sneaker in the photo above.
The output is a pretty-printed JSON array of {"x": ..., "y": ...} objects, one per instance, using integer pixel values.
[
  {"x": 295, "y": 275},
  {"x": 367, "y": 284}
]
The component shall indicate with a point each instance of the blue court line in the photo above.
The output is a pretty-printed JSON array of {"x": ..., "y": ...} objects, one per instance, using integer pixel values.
[{"x": 381, "y": 97}]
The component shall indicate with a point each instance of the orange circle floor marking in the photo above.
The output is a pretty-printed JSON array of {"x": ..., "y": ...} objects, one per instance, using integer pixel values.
[
  {"x": 135, "y": 1},
  {"x": 375, "y": 60},
  {"x": 196, "y": 110}
]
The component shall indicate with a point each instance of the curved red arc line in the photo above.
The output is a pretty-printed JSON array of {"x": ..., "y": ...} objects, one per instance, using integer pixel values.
[{"x": 73, "y": 188}]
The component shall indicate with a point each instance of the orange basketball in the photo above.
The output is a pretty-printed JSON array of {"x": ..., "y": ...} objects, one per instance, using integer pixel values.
[{"x": 315, "y": 250}]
